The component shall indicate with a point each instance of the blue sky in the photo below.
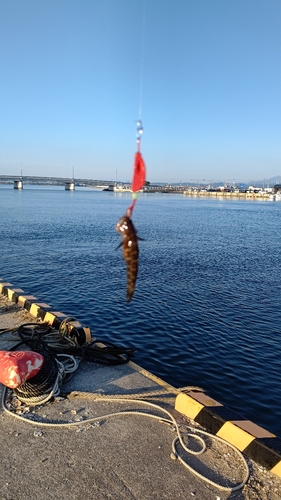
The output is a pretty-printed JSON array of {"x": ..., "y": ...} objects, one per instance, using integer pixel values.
[{"x": 71, "y": 79}]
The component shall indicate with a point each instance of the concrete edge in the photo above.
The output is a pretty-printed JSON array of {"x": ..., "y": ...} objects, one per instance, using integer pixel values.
[
  {"x": 40, "y": 310},
  {"x": 169, "y": 388},
  {"x": 257, "y": 443}
]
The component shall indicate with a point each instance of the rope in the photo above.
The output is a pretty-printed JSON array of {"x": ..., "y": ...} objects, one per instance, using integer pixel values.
[
  {"x": 46, "y": 383},
  {"x": 135, "y": 395},
  {"x": 41, "y": 388},
  {"x": 101, "y": 351},
  {"x": 6, "y": 330},
  {"x": 171, "y": 421}
]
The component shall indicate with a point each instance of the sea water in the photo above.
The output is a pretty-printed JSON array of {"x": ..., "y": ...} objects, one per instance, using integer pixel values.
[{"x": 206, "y": 309}]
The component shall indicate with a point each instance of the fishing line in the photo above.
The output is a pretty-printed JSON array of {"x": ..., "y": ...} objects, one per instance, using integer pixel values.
[
  {"x": 139, "y": 172},
  {"x": 142, "y": 58},
  {"x": 125, "y": 225}
]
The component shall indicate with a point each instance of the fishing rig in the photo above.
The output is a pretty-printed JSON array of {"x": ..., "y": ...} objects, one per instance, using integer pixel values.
[
  {"x": 139, "y": 172},
  {"x": 125, "y": 225}
]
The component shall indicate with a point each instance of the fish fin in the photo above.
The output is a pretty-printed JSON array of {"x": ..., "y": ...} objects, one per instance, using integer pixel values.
[{"x": 120, "y": 245}]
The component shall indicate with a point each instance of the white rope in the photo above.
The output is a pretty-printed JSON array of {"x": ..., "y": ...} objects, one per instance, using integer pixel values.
[
  {"x": 217, "y": 438},
  {"x": 170, "y": 420}
]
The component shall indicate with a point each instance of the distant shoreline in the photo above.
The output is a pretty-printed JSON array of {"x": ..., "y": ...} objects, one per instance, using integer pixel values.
[{"x": 225, "y": 194}]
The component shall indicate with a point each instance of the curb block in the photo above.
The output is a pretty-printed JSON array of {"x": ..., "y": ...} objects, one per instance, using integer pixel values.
[
  {"x": 257, "y": 443},
  {"x": 41, "y": 310}
]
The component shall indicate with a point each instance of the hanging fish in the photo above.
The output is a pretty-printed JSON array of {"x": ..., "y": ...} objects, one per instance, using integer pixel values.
[
  {"x": 125, "y": 226},
  {"x": 130, "y": 250}
]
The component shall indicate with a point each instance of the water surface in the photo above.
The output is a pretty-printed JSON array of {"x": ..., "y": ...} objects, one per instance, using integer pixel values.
[{"x": 206, "y": 309}]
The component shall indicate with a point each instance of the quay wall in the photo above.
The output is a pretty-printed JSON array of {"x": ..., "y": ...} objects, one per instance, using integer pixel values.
[
  {"x": 254, "y": 441},
  {"x": 223, "y": 194}
]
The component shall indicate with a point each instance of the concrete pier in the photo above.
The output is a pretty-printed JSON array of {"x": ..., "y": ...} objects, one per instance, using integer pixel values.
[
  {"x": 70, "y": 186},
  {"x": 228, "y": 195},
  {"x": 125, "y": 457},
  {"x": 18, "y": 184}
]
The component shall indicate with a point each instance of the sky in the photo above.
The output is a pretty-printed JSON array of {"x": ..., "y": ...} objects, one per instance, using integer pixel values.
[{"x": 204, "y": 76}]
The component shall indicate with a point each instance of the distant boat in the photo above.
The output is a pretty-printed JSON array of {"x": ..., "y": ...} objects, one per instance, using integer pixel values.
[
  {"x": 124, "y": 188},
  {"x": 110, "y": 187}
]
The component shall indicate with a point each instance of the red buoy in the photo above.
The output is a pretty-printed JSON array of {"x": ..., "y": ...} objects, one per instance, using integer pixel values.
[{"x": 18, "y": 366}]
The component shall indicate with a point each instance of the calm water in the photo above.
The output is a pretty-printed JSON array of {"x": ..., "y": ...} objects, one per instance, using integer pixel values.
[{"x": 206, "y": 310}]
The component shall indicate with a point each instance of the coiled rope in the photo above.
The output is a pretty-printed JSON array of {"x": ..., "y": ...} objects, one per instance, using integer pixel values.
[
  {"x": 58, "y": 365},
  {"x": 47, "y": 382},
  {"x": 101, "y": 351},
  {"x": 62, "y": 354}
]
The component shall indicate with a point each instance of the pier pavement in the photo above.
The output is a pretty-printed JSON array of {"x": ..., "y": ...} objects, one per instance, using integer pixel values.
[{"x": 125, "y": 457}]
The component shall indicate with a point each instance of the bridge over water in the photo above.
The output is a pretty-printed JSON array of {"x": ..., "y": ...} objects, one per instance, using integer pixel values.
[{"x": 53, "y": 181}]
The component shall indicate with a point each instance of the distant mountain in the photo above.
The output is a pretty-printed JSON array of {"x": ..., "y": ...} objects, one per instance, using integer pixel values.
[
  {"x": 265, "y": 182},
  {"x": 258, "y": 183}
]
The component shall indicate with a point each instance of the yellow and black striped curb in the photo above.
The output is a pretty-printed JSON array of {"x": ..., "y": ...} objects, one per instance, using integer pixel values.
[
  {"x": 42, "y": 311},
  {"x": 257, "y": 443}
]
